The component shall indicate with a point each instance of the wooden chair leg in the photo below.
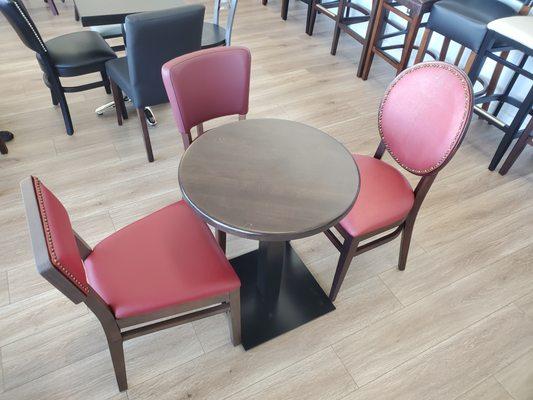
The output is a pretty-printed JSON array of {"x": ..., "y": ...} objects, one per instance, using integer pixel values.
[
  {"x": 55, "y": 101},
  {"x": 265, "y": 2},
  {"x": 235, "y": 317},
  {"x": 337, "y": 29},
  {"x": 308, "y": 18},
  {"x": 146, "y": 134},
  {"x": 444, "y": 49},
  {"x": 312, "y": 18},
  {"x": 105, "y": 79},
  {"x": 187, "y": 140},
  {"x": 3, "y": 147},
  {"x": 60, "y": 95},
  {"x": 407, "y": 233},
  {"x": 348, "y": 251},
  {"x": 117, "y": 95},
  {"x": 378, "y": 24},
  {"x": 284, "y": 9},
  {"x": 221, "y": 239},
  {"x": 518, "y": 148},
  {"x": 53, "y": 7},
  {"x": 116, "y": 349},
  {"x": 410, "y": 37},
  {"x": 426, "y": 38}
]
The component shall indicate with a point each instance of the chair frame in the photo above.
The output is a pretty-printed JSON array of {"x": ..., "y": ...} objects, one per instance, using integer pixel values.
[
  {"x": 119, "y": 330},
  {"x": 351, "y": 246},
  {"x": 51, "y": 76}
]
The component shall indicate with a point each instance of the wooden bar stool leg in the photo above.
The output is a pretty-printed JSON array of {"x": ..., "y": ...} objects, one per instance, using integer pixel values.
[
  {"x": 410, "y": 37},
  {"x": 284, "y": 9},
  {"x": 518, "y": 148},
  {"x": 337, "y": 29},
  {"x": 426, "y": 38},
  {"x": 368, "y": 38},
  {"x": 378, "y": 26}
]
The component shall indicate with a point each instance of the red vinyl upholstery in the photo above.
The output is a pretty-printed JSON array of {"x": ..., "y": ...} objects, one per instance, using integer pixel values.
[
  {"x": 424, "y": 114},
  {"x": 208, "y": 84},
  {"x": 385, "y": 197},
  {"x": 60, "y": 239},
  {"x": 167, "y": 258}
]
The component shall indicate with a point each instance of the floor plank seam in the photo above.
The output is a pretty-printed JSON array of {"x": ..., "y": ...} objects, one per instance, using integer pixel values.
[
  {"x": 438, "y": 344},
  {"x": 390, "y": 291},
  {"x": 503, "y": 386}
]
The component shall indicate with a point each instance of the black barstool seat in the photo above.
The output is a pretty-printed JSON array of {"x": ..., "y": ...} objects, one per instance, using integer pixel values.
[
  {"x": 213, "y": 35},
  {"x": 79, "y": 53},
  {"x": 465, "y": 21}
]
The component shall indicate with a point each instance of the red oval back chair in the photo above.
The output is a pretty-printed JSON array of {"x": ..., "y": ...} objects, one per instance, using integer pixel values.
[
  {"x": 161, "y": 271},
  {"x": 423, "y": 119},
  {"x": 207, "y": 84}
]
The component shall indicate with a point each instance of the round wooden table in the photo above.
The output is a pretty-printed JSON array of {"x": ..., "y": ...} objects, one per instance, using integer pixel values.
[{"x": 271, "y": 180}]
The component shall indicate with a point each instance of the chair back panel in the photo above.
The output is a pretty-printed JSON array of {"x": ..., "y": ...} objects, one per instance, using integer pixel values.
[
  {"x": 59, "y": 237},
  {"x": 425, "y": 114},
  {"x": 208, "y": 84},
  {"x": 152, "y": 39},
  {"x": 232, "y": 8},
  {"x": 18, "y": 17}
]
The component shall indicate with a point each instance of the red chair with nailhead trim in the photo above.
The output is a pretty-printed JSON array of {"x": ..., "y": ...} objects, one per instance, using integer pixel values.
[
  {"x": 153, "y": 274},
  {"x": 423, "y": 118}
]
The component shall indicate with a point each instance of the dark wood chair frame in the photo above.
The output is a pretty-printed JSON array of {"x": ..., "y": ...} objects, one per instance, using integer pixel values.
[
  {"x": 525, "y": 139},
  {"x": 119, "y": 330},
  {"x": 376, "y": 33},
  {"x": 524, "y": 107},
  {"x": 285, "y": 9},
  {"x": 351, "y": 246}
]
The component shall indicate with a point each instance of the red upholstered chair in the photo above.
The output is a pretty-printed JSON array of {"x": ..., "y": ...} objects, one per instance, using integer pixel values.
[
  {"x": 207, "y": 84},
  {"x": 140, "y": 278},
  {"x": 423, "y": 118}
]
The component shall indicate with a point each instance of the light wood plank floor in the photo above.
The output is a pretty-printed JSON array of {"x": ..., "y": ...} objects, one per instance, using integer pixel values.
[{"x": 457, "y": 324}]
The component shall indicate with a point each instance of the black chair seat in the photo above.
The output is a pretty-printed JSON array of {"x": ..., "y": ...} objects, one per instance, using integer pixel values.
[
  {"x": 118, "y": 72},
  {"x": 79, "y": 53},
  {"x": 465, "y": 22},
  {"x": 213, "y": 35}
]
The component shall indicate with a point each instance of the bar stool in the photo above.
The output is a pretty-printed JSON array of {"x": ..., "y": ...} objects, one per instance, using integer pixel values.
[
  {"x": 412, "y": 12},
  {"x": 511, "y": 33}
]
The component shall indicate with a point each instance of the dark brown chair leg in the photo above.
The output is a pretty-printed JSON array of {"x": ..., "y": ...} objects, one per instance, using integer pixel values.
[
  {"x": 348, "y": 251},
  {"x": 407, "y": 233},
  {"x": 105, "y": 79},
  {"x": 284, "y": 9},
  {"x": 235, "y": 317},
  {"x": 410, "y": 37},
  {"x": 53, "y": 7},
  {"x": 146, "y": 134},
  {"x": 378, "y": 25},
  {"x": 312, "y": 18},
  {"x": 187, "y": 139},
  {"x": 116, "y": 349},
  {"x": 308, "y": 18},
  {"x": 221, "y": 239},
  {"x": 117, "y": 97},
  {"x": 265, "y": 2},
  {"x": 60, "y": 96},
  {"x": 426, "y": 38},
  {"x": 518, "y": 148},
  {"x": 337, "y": 29},
  {"x": 3, "y": 147}
]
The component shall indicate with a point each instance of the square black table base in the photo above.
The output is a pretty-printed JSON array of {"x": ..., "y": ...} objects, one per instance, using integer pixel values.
[{"x": 300, "y": 300}]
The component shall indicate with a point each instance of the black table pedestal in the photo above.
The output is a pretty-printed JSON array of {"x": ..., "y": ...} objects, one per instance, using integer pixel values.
[{"x": 278, "y": 293}]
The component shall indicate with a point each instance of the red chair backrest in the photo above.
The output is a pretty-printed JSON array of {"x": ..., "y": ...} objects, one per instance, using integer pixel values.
[
  {"x": 59, "y": 236},
  {"x": 208, "y": 84},
  {"x": 425, "y": 114}
]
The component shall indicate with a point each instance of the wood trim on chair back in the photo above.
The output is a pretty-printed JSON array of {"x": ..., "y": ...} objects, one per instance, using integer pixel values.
[
  {"x": 424, "y": 116},
  {"x": 55, "y": 245}
]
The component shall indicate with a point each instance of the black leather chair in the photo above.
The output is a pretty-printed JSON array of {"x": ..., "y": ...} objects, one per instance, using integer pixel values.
[
  {"x": 73, "y": 54},
  {"x": 176, "y": 31}
]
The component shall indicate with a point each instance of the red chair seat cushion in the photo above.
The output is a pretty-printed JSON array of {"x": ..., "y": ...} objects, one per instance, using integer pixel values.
[
  {"x": 385, "y": 197},
  {"x": 167, "y": 258}
]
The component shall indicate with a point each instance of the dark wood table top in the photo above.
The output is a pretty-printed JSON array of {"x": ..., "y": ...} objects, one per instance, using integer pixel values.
[
  {"x": 107, "y": 12},
  {"x": 269, "y": 179}
]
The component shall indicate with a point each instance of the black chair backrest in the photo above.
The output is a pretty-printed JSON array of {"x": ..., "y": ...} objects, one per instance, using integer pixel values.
[
  {"x": 152, "y": 39},
  {"x": 19, "y": 18}
]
